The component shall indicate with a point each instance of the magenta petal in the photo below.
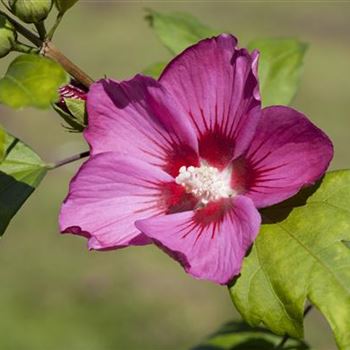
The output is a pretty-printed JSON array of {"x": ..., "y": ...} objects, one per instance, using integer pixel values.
[
  {"x": 216, "y": 84},
  {"x": 107, "y": 196},
  {"x": 287, "y": 152},
  {"x": 124, "y": 118},
  {"x": 207, "y": 250}
]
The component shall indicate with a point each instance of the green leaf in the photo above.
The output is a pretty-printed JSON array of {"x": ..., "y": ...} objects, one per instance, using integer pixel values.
[
  {"x": 239, "y": 336},
  {"x": 280, "y": 68},
  {"x": 73, "y": 125},
  {"x": 78, "y": 110},
  {"x": 64, "y": 5},
  {"x": 21, "y": 171},
  {"x": 74, "y": 115},
  {"x": 177, "y": 31},
  {"x": 300, "y": 254},
  {"x": 155, "y": 70},
  {"x": 32, "y": 80}
]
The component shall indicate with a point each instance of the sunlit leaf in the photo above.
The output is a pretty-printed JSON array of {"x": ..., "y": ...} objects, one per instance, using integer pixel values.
[
  {"x": 300, "y": 254},
  {"x": 280, "y": 68},
  {"x": 31, "y": 80},
  {"x": 240, "y": 336},
  {"x": 177, "y": 31},
  {"x": 64, "y": 5},
  {"x": 21, "y": 171},
  {"x": 155, "y": 70}
]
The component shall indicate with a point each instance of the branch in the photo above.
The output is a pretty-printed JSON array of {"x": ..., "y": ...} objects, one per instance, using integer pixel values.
[
  {"x": 50, "y": 50},
  {"x": 23, "y": 30}
]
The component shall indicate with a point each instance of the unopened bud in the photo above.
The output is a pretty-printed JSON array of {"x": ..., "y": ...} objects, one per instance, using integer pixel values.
[
  {"x": 8, "y": 36},
  {"x": 73, "y": 90},
  {"x": 31, "y": 11},
  {"x": 71, "y": 106}
]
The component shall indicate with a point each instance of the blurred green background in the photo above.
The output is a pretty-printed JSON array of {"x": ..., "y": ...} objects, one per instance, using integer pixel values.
[{"x": 56, "y": 295}]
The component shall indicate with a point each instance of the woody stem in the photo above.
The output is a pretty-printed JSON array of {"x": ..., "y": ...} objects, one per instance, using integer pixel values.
[{"x": 50, "y": 50}]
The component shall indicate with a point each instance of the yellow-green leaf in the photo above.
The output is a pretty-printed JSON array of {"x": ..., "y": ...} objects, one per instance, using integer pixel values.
[
  {"x": 32, "y": 80},
  {"x": 300, "y": 255}
]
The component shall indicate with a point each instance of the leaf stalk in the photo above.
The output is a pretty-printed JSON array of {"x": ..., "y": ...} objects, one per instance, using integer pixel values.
[{"x": 69, "y": 160}]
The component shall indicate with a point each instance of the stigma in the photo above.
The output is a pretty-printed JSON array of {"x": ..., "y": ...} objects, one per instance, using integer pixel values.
[{"x": 206, "y": 183}]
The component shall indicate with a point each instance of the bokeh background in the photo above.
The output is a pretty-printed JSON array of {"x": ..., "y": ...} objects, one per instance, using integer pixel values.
[{"x": 56, "y": 295}]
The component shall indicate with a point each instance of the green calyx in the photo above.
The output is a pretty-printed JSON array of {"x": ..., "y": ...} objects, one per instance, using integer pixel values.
[
  {"x": 8, "y": 36},
  {"x": 31, "y": 11}
]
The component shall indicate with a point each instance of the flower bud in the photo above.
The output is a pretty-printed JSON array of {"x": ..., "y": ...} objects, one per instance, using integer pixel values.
[
  {"x": 71, "y": 106},
  {"x": 31, "y": 11},
  {"x": 8, "y": 36},
  {"x": 73, "y": 90}
]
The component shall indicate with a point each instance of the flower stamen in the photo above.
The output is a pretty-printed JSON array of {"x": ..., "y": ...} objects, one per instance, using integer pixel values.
[{"x": 205, "y": 182}]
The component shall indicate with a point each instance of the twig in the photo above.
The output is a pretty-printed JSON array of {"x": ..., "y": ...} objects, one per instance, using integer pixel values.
[
  {"x": 24, "y": 48},
  {"x": 55, "y": 26},
  {"x": 6, "y": 5},
  {"x": 286, "y": 337},
  {"x": 23, "y": 30},
  {"x": 70, "y": 160}
]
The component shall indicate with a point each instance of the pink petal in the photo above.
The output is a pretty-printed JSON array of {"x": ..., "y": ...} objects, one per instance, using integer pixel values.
[
  {"x": 107, "y": 195},
  {"x": 216, "y": 84},
  {"x": 125, "y": 117},
  {"x": 210, "y": 243},
  {"x": 287, "y": 153}
]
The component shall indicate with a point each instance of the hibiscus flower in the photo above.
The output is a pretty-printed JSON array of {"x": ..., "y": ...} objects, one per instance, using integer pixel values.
[{"x": 185, "y": 162}]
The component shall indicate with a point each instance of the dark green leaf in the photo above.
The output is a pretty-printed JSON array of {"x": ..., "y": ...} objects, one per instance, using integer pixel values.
[
  {"x": 64, "y": 5},
  {"x": 280, "y": 68},
  {"x": 155, "y": 70},
  {"x": 32, "y": 80},
  {"x": 300, "y": 254},
  {"x": 177, "y": 31},
  {"x": 21, "y": 171},
  {"x": 239, "y": 336}
]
